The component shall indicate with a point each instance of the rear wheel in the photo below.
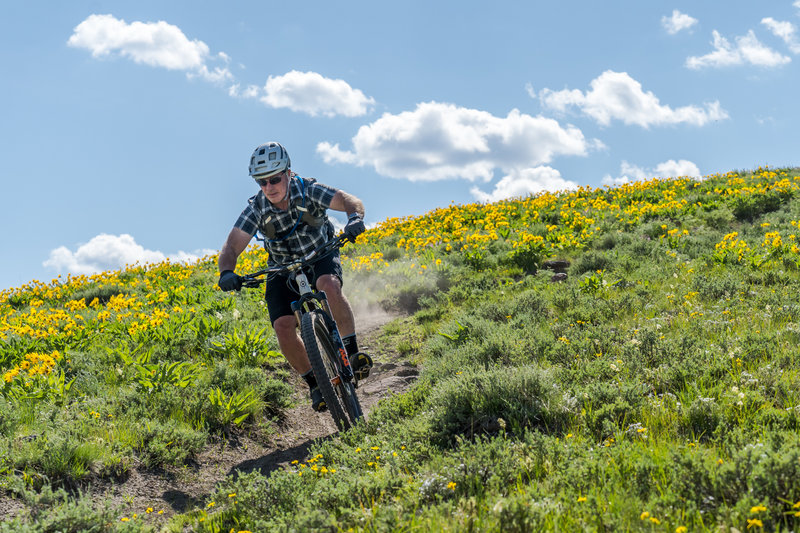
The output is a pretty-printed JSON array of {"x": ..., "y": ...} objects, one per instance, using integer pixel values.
[{"x": 340, "y": 397}]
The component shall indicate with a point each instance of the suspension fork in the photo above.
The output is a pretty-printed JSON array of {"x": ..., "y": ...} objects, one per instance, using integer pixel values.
[{"x": 319, "y": 299}]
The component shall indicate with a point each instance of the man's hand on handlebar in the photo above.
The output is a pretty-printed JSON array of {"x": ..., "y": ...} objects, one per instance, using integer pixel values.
[
  {"x": 355, "y": 226},
  {"x": 229, "y": 281}
]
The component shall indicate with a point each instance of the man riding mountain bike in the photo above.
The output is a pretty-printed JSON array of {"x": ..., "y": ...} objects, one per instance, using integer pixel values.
[{"x": 291, "y": 213}]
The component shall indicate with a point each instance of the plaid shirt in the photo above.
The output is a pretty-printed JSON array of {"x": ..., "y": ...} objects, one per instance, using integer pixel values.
[{"x": 288, "y": 244}]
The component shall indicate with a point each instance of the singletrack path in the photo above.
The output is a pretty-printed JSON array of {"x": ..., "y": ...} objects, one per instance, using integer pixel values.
[{"x": 179, "y": 489}]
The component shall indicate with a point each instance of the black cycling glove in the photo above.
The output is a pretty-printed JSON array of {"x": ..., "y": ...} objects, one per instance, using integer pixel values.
[
  {"x": 229, "y": 281},
  {"x": 355, "y": 226}
]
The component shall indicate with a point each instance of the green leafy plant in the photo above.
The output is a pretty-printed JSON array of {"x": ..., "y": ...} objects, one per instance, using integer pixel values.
[
  {"x": 53, "y": 387},
  {"x": 458, "y": 336},
  {"x": 234, "y": 408},
  {"x": 155, "y": 377},
  {"x": 247, "y": 348},
  {"x": 529, "y": 256}
]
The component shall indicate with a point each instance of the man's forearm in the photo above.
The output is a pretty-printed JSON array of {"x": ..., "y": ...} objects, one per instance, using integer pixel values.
[
  {"x": 227, "y": 260},
  {"x": 234, "y": 245},
  {"x": 351, "y": 204}
]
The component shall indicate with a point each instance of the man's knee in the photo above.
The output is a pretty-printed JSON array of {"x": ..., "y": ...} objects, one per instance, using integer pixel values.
[
  {"x": 329, "y": 284},
  {"x": 285, "y": 326}
]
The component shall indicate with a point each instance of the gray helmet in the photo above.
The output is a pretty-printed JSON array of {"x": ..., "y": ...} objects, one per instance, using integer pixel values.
[{"x": 269, "y": 159}]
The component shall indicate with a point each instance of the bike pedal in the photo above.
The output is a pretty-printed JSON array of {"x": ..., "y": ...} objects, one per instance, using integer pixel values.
[{"x": 362, "y": 364}]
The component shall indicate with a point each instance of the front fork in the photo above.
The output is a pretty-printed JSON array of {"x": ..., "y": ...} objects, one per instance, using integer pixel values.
[{"x": 330, "y": 323}]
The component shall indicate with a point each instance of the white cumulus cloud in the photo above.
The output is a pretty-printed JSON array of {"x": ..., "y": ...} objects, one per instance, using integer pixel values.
[
  {"x": 617, "y": 96},
  {"x": 524, "y": 182},
  {"x": 156, "y": 44},
  {"x": 785, "y": 30},
  {"x": 110, "y": 252},
  {"x": 667, "y": 169},
  {"x": 747, "y": 50},
  {"x": 236, "y": 91},
  {"x": 314, "y": 94},
  {"x": 677, "y": 21},
  {"x": 438, "y": 141}
]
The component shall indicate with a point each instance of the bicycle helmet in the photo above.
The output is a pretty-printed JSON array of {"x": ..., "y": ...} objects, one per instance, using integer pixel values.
[{"x": 269, "y": 159}]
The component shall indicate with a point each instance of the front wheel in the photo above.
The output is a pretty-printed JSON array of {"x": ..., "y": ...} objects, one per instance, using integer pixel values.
[{"x": 340, "y": 396}]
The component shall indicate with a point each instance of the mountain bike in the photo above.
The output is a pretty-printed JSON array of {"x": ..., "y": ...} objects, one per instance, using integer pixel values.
[{"x": 319, "y": 334}]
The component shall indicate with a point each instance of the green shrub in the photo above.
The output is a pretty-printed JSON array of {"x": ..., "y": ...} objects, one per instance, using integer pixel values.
[
  {"x": 591, "y": 261},
  {"x": 747, "y": 207},
  {"x": 59, "y": 511},
  {"x": 719, "y": 218},
  {"x": 610, "y": 406},
  {"x": 701, "y": 418},
  {"x": 715, "y": 288},
  {"x": 9, "y": 417},
  {"x": 473, "y": 287},
  {"x": 765, "y": 472},
  {"x": 529, "y": 257},
  {"x": 168, "y": 442},
  {"x": 103, "y": 293},
  {"x": 407, "y": 296},
  {"x": 63, "y": 446},
  {"x": 476, "y": 469},
  {"x": 399, "y": 407},
  {"x": 612, "y": 239},
  {"x": 483, "y": 402}
]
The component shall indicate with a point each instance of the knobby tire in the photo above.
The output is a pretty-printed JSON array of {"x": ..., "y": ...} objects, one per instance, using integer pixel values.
[
  {"x": 340, "y": 399},
  {"x": 345, "y": 391}
]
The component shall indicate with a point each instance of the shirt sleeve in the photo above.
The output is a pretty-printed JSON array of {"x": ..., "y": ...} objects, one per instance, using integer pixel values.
[
  {"x": 321, "y": 194},
  {"x": 248, "y": 220}
]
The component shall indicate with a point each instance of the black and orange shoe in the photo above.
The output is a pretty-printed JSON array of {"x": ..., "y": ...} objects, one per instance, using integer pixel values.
[{"x": 317, "y": 401}]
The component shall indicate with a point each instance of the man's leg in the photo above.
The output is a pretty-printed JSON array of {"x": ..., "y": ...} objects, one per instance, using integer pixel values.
[
  {"x": 340, "y": 306},
  {"x": 343, "y": 315},
  {"x": 289, "y": 341},
  {"x": 292, "y": 347}
]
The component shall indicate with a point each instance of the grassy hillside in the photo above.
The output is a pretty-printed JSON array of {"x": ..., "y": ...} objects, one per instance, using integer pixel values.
[{"x": 657, "y": 388}]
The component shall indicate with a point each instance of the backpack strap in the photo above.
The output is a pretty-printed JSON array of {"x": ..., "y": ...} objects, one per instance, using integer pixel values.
[{"x": 302, "y": 209}]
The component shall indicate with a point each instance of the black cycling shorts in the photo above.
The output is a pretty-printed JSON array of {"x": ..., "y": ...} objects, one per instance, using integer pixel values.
[{"x": 281, "y": 292}]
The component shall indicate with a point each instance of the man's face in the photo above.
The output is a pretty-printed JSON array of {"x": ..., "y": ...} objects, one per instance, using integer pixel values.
[{"x": 275, "y": 192}]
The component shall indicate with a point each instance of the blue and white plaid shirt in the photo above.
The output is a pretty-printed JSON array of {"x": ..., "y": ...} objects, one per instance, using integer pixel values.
[{"x": 294, "y": 234}]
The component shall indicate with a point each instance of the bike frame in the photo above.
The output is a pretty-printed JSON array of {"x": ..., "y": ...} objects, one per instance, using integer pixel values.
[{"x": 310, "y": 298}]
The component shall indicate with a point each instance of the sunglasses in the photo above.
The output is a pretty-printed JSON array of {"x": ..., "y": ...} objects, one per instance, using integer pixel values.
[{"x": 274, "y": 180}]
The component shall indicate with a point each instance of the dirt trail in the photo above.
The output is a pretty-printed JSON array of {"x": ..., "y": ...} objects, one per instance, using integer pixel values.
[{"x": 176, "y": 490}]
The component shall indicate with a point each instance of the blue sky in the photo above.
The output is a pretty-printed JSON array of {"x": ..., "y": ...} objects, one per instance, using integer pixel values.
[{"x": 127, "y": 126}]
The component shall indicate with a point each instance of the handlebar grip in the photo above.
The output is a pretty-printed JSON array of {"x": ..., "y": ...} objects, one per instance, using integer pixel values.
[{"x": 252, "y": 283}]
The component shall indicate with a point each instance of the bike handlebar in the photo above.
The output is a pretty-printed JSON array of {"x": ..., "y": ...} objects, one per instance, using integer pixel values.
[{"x": 254, "y": 279}]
